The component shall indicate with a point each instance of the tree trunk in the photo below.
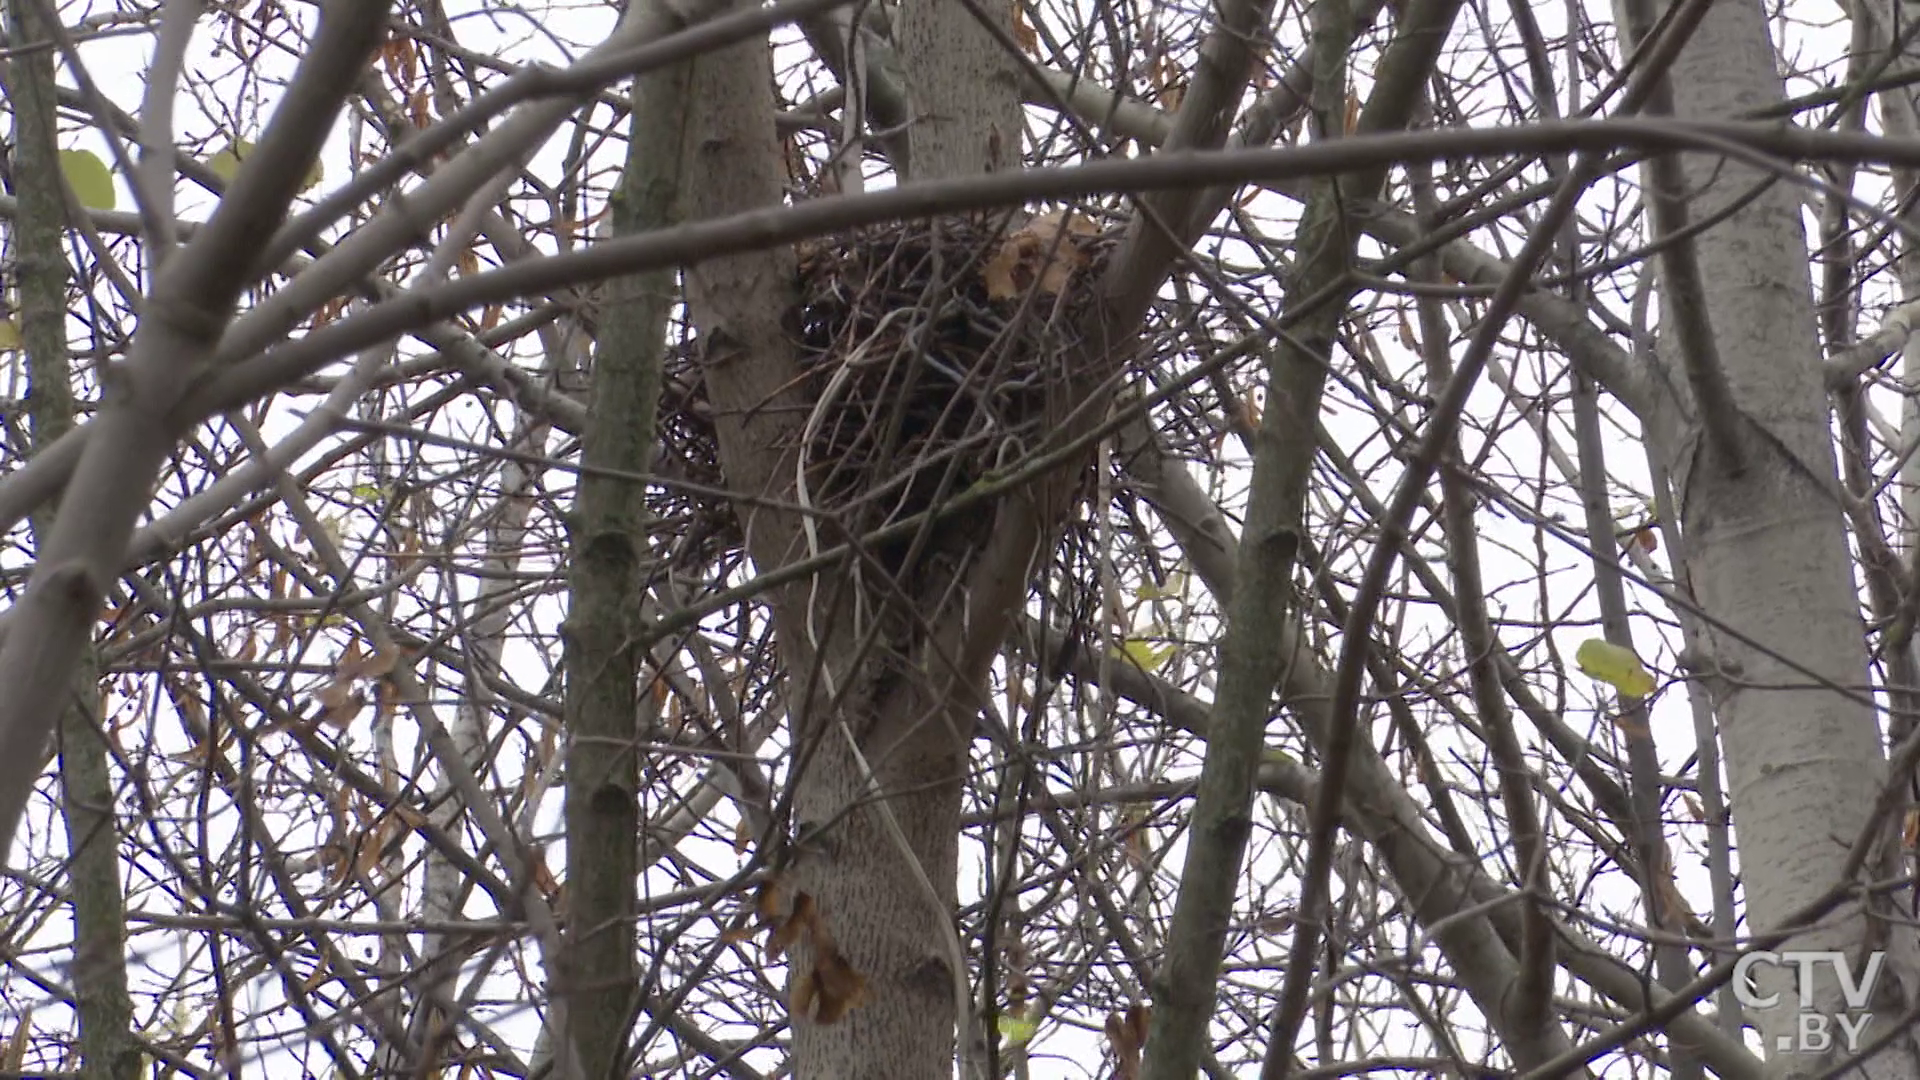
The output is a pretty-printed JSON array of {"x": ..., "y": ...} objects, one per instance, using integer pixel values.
[
  {"x": 1788, "y": 664},
  {"x": 607, "y": 578},
  {"x": 87, "y": 798},
  {"x": 881, "y": 876}
]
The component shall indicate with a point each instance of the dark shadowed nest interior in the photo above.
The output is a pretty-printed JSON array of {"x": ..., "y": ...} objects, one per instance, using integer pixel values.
[{"x": 929, "y": 350}]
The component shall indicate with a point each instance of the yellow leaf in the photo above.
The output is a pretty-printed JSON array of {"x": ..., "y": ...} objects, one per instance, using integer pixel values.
[
  {"x": 1016, "y": 1029},
  {"x": 1145, "y": 653},
  {"x": 91, "y": 179},
  {"x": 1176, "y": 584},
  {"x": 9, "y": 334},
  {"x": 226, "y": 165},
  {"x": 1614, "y": 665}
]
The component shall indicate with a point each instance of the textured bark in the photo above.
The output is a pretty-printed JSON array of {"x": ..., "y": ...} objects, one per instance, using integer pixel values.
[
  {"x": 99, "y": 972},
  {"x": 891, "y": 920},
  {"x": 914, "y": 732},
  {"x": 1788, "y": 661},
  {"x": 738, "y": 306},
  {"x": 965, "y": 89},
  {"x": 605, "y": 582}
]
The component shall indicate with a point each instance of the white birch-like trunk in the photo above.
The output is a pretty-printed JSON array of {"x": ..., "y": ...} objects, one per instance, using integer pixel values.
[{"x": 1787, "y": 664}]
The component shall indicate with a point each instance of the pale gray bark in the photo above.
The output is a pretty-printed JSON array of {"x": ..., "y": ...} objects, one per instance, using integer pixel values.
[
  {"x": 887, "y": 892},
  {"x": 1786, "y": 662}
]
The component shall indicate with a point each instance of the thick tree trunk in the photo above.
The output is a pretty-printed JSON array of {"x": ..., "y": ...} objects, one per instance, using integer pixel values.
[
  {"x": 1768, "y": 559},
  {"x": 881, "y": 875}
]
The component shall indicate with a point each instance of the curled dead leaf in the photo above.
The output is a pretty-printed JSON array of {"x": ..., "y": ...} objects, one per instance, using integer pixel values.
[
  {"x": 339, "y": 702},
  {"x": 766, "y": 901},
  {"x": 802, "y": 920},
  {"x": 1126, "y": 1036},
  {"x": 835, "y": 988},
  {"x": 740, "y": 929},
  {"x": 1042, "y": 254}
]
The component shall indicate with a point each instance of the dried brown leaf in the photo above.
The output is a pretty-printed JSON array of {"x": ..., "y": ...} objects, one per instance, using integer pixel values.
[
  {"x": 766, "y": 901},
  {"x": 739, "y": 930},
  {"x": 839, "y": 988},
  {"x": 13, "y": 1053},
  {"x": 1023, "y": 31},
  {"x": 803, "y": 920},
  {"x": 998, "y": 272},
  {"x": 805, "y": 990},
  {"x": 339, "y": 702}
]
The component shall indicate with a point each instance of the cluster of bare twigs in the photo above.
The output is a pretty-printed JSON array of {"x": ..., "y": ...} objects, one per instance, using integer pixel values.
[{"x": 930, "y": 349}]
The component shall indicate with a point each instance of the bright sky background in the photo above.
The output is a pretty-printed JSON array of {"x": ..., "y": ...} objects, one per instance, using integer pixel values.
[{"x": 1068, "y": 1045}]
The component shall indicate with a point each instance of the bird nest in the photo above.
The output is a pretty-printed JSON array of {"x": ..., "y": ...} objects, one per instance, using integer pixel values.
[
  {"x": 935, "y": 353},
  {"x": 932, "y": 354}
]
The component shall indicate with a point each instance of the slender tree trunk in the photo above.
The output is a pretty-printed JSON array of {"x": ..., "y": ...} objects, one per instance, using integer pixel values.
[
  {"x": 99, "y": 971},
  {"x": 607, "y": 579}
]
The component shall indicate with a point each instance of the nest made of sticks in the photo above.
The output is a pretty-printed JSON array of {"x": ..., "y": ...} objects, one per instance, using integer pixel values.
[{"x": 931, "y": 349}]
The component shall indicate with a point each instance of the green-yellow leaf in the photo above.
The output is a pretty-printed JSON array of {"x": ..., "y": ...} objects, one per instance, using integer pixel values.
[
  {"x": 1145, "y": 653},
  {"x": 1016, "y": 1030},
  {"x": 1176, "y": 584},
  {"x": 367, "y": 493},
  {"x": 1614, "y": 665},
  {"x": 226, "y": 164},
  {"x": 9, "y": 334},
  {"x": 91, "y": 179}
]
